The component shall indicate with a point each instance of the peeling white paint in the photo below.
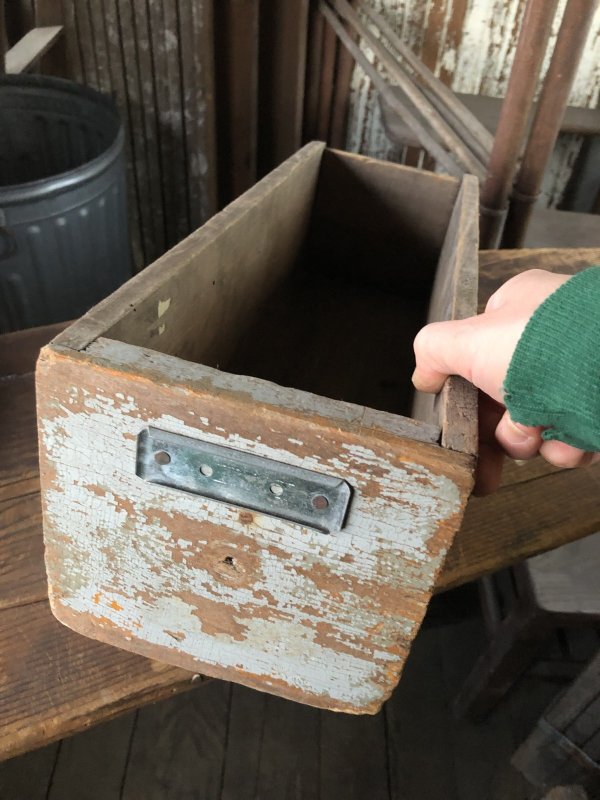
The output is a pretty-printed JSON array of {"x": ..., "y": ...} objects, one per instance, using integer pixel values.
[
  {"x": 479, "y": 62},
  {"x": 163, "y": 307},
  {"x": 118, "y": 562}
]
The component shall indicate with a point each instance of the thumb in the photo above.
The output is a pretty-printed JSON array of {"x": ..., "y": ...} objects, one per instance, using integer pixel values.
[
  {"x": 518, "y": 441},
  {"x": 442, "y": 349}
]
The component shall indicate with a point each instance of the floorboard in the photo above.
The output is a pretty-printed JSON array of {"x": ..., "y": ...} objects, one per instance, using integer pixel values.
[
  {"x": 178, "y": 747},
  {"x": 91, "y": 765},
  {"x": 419, "y": 731},
  {"x": 226, "y": 742},
  {"x": 28, "y": 777}
]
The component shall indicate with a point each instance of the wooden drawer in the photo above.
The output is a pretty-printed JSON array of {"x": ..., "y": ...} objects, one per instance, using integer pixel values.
[{"x": 281, "y": 330}]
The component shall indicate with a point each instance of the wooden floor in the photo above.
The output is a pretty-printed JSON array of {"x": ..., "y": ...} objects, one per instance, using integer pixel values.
[{"x": 226, "y": 742}]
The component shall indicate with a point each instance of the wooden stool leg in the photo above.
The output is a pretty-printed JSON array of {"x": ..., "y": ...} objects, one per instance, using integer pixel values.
[
  {"x": 564, "y": 746},
  {"x": 516, "y": 641}
]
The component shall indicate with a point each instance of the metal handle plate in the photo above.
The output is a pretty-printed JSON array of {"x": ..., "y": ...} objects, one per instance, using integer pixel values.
[{"x": 243, "y": 479}]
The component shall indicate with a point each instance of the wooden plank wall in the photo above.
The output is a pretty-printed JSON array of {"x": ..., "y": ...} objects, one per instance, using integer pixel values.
[
  {"x": 211, "y": 93},
  {"x": 156, "y": 58},
  {"x": 470, "y": 45}
]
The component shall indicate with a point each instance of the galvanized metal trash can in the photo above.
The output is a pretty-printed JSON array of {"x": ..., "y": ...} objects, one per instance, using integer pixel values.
[{"x": 64, "y": 242}]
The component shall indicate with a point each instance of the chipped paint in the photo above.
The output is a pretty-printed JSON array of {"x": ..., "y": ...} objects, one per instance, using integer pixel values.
[
  {"x": 470, "y": 44},
  {"x": 325, "y": 619},
  {"x": 163, "y": 307}
]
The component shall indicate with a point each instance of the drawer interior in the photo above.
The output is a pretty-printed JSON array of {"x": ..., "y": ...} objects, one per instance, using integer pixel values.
[{"x": 321, "y": 285}]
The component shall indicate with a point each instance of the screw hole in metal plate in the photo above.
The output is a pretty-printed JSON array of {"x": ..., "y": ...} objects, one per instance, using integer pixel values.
[{"x": 243, "y": 479}]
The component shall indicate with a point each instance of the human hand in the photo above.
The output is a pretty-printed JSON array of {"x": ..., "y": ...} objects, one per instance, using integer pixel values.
[{"x": 480, "y": 350}]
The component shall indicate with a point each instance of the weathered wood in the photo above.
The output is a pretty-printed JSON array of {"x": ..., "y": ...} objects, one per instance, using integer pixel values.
[
  {"x": 69, "y": 681},
  {"x": 135, "y": 26},
  {"x": 19, "y": 350},
  {"x": 414, "y": 97},
  {"x": 22, "y": 574},
  {"x": 28, "y": 51},
  {"x": 283, "y": 33},
  {"x": 327, "y": 72},
  {"x": 454, "y": 296},
  {"x": 497, "y": 266},
  {"x": 178, "y": 747},
  {"x": 28, "y": 776},
  {"x": 582, "y": 121},
  {"x": 116, "y": 54},
  {"x": 389, "y": 564},
  {"x": 164, "y": 44},
  {"x": 92, "y": 764},
  {"x": 446, "y": 101},
  {"x": 421, "y": 131},
  {"x": 236, "y": 73},
  {"x": 521, "y": 520},
  {"x": 344, "y": 772},
  {"x": 549, "y": 756},
  {"x": 158, "y": 308},
  {"x": 316, "y": 25},
  {"x": 196, "y": 52}
]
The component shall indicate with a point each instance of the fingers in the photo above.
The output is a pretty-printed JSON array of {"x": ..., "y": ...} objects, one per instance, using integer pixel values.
[
  {"x": 518, "y": 441},
  {"x": 442, "y": 349},
  {"x": 564, "y": 455}
]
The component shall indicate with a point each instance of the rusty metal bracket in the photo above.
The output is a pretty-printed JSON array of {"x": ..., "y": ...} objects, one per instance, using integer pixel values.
[{"x": 243, "y": 479}]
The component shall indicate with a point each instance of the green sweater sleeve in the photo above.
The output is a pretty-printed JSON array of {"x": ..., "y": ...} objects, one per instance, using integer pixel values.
[{"x": 554, "y": 375}]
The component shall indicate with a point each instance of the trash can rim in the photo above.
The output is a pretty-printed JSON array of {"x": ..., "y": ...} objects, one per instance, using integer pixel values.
[{"x": 44, "y": 187}]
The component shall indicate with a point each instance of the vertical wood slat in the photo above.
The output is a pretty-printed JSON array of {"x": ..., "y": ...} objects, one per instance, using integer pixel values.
[
  {"x": 236, "y": 68},
  {"x": 54, "y": 62},
  {"x": 328, "y": 57},
  {"x": 196, "y": 34},
  {"x": 145, "y": 77},
  {"x": 71, "y": 40},
  {"x": 316, "y": 24},
  {"x": 165, "y": 63},
  {"x": 344, "y": 66},
  {"x": 138, "y": 216},
  {"x": 282, "y": 62},
  {"x": 3, "y": 39}
]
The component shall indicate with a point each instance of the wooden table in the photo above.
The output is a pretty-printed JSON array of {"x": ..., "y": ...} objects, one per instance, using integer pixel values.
[{"x": 54, "y": 682}]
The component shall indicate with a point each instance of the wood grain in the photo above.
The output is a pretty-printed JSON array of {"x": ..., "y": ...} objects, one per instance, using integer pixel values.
[
  {"x": 454, "y": 296},
  {"x": 236, "y": 75},
  {"x": 92, "y": 764},
  {"x": 226, "y": 633},
  {"x": 283, "y": 31},
  {"x": 521, "y": 520},
  {"x": 56, "y": 682},
  {"x": 178, "y": 747}
]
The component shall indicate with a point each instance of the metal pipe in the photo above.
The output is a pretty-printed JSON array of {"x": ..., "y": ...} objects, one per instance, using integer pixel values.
[
  {"x": 514, "y": 117},
  {"x": 574, "y": 30}
]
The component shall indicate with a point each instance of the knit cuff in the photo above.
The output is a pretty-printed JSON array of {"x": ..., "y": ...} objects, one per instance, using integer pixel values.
[{"x": 554, "y": 376}]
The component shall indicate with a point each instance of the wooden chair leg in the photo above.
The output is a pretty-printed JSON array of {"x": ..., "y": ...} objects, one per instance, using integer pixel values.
[{"x": 516, "y": 641}]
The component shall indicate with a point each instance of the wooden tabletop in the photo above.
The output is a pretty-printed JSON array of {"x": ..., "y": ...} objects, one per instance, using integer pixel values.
[{"x": 54, "y": 682}]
